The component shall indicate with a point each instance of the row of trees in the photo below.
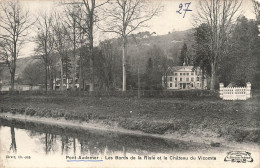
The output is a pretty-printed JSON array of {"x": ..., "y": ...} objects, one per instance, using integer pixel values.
[
  {"x": 70, "y": 29},
  {"x": 14, "y": 26},
  {"x": 226, "y": 44},
  {"x": 238, "y": 65},
  {"x": 65, "y": 42}
]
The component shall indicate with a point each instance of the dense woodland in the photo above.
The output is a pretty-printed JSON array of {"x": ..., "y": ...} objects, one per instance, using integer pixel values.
[{"x": 65, "y": 48}]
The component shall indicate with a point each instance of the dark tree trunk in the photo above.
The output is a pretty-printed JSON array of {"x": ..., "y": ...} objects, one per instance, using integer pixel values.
[
  {"x": 12, "y": 80},
  {"x": 46, "y": 76},
  {"x": 213, "y": 76},
  {"x": 91, "y": 65},
  {"x": 124, "y": 63}
]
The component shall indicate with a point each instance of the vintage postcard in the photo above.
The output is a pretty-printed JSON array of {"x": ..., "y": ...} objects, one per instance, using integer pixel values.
[{"x": 129, "y": 83}]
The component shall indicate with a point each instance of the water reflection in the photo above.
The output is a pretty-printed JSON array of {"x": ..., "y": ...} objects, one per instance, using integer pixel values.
[
  {"x": 68, "y": 141},
  {"x": 50, "y": 141},
  {"x": 66, "y": 144},
  {"x": 13, "y": 143},
  {"x": 74, "y": 146}
]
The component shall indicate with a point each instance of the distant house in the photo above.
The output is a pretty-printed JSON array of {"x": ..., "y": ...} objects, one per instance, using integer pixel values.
[
  {"x": 67, "y": 83},
  {"x": 183, "y": 78},
  {"x": 19, "y": 87}
]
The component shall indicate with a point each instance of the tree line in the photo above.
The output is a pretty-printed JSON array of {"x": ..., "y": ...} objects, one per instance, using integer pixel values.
[
  {"x": 70, "y": 29},
  {"x": 224, "y": 44}
]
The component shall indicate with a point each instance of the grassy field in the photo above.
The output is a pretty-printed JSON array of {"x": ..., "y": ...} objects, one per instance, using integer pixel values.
[{"x": 233, "y": 120}]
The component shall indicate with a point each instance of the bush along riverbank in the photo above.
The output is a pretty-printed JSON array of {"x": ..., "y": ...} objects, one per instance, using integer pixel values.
[{"x": 232, "y": 120}]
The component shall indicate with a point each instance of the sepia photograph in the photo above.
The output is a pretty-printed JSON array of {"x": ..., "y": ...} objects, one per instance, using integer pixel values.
[{"x": 129, "y": 83}]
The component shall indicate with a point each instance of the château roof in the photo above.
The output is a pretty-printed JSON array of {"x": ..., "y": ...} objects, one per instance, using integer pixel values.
[{"x": 180, "y": 69}]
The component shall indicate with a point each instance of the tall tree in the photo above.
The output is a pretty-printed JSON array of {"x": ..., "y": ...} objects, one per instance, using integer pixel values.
[
  {"x": 67, "y": 66},
  {"x": 125, "y": 17},
  {"x": 91, "y": 18},
  {"x": 202, "y": 50},
  {"x": 149, "y": 74},
  {"x": 45, "y": 42},
  {"x": 82, "y": 41},
  {"x": 219, "y": 15},
  {"x": 241, "y": 66},
  {"x": 89, "y": 9},
  {"x": 160, "y": 65},
  {"x": 183, "y": 58},
  {"x": 61, "y": 43},
  {"x": 108, "y": 61},
  {"x": 14, "y": 25},
  {"x": 256, "y": 5},
  {"x": 73, "y": 12}
]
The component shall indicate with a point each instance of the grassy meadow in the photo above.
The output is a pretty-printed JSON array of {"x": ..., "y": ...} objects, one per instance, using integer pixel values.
[{"x": 233, "y": 120}]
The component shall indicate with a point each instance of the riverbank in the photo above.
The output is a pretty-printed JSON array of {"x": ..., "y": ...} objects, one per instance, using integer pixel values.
[
  {"x": 212, "y": 121},
  {"x": 200, "y": 142}
]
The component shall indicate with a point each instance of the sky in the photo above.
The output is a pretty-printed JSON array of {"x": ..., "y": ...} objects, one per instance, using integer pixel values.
[{"x": 168, "y": 20}]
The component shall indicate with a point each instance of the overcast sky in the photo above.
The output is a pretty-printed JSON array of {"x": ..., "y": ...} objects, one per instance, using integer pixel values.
[{"x": 169, "y": 20}]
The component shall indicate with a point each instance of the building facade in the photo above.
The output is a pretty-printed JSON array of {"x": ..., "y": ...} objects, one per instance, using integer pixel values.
[
  {"x": 19, "y": 87},
  {"x": 184, "y": 78}
]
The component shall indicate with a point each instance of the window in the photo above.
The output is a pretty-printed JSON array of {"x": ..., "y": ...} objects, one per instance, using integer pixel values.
[
  {"x": 198, "y": 78},
  {"x": 198, "y": 85},
  {"x": 187, "y": 79},
  {"x": 192, "y": 79},
  {"x": 192, "y": 73},
  {"x": 170, "y": 84},
  {"x": 192, "y": 85},
  {"x": 175, "y": 79},
  {"x": 175, "y": 84},
  {"x": 180, "y": 73},
  {"x": 175, "y": 74},
  {"x": 170, "y": 78},
  {"x": 180, "y": 79},
  {"x": 183, "y": 73},
  {"x": 187, "y": 73}
]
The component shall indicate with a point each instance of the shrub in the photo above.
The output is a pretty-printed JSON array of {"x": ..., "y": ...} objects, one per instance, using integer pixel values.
[
  {"x": 253, "y": 136},
  {"x": 215, "y": 144},
  {"x": 15, "y": 110},
  {"x": 29, "y": 111},
  {"x": 148, "y": 127},
  {"x": 57, "y": 113},
  {"x": 2, "y": 110},
  {"x": 240, "y": 135}
]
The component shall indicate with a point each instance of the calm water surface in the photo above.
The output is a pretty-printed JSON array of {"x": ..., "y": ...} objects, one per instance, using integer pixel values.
[
  {"x": 22, "y": 137},
  {"x": 49, "y": 146}
]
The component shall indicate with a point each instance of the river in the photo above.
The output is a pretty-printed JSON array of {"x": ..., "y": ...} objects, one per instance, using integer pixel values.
[{"x": 30, "y": 140}]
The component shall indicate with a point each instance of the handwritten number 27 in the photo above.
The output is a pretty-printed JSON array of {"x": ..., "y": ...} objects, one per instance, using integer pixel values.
[{"x": 187, "y": 5}]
